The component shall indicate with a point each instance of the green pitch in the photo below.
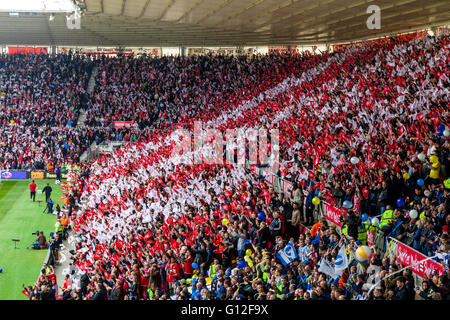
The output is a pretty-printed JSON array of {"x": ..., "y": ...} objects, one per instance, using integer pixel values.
[{"x": 19, "y": 218}]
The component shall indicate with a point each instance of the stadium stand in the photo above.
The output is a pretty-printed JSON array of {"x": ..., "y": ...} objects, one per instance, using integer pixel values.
[{"x": 361, "y": 133}]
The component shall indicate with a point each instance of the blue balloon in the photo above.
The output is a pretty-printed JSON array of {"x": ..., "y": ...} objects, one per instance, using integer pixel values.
[
  {"x": 347, "y": 204},
  {"x": 261, "y": 216},
  {"x": 194, "y": 265},
  {"x": 241, "y": 264},
  {"x": 1, "y": 270},
  {"x": 364, "y": 217},
  {"x": 441, "y": 127},
  {"x": 420, "y": 182},
  {"x": 440, "y": 133},
  {"x": 400, "y": 202}
]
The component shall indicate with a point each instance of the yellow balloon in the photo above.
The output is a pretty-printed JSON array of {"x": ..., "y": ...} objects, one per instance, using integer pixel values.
[
  {"x": 225, "y": 221},
  {"x": 11, "y": 121},
  {"x": 316, "y": 201},
  {"x": 248, "y": 252},
  {"x": 406, "y": 175}
]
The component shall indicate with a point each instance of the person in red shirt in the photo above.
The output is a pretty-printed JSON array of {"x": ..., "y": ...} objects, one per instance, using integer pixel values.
[
  {"x": 173, "y": 271},
  {"x": 188, "y": 264},
  {"x": 32, "y": 191}
]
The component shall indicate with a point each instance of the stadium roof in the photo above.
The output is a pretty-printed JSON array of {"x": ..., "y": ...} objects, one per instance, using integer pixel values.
[{"x": 171, "y": 23}]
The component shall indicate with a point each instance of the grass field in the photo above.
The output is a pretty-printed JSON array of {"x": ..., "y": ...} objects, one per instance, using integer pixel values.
[{"x": 19, "y": 218}]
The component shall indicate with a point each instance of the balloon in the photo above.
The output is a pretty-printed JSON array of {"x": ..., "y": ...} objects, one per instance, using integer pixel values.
[
  {"x": 421, "y": 156},
  {"x": 347, "y": 204},
  {"x": 400, "y": 202},
  {"x": 406, "y": 176},
  {"x": 447, "y": 183},
  {"x": 225, "y": 221},
  {"x": 315, "y": 201},
  {"x": 364, "y": 217},
  {"x": 248, "y": 252},
  {"x": 363, "y": 253},
  {"x": 354, "y": 160},
  {"x": 261, "y": 216},
  {"x": 446, "y": 132},
  {"x": 375, "y": 221},
  {"x": 441, "y": 127},
  {"x": 434, "y": 159},
  {"x": 440, "y": 133},
  {"x": 241, "y": 264},
  {"x": 413, "y": 214},
  {"x": 420, "y": 182},
  {"x": 194, "y": 265},
  {"x": 1, "y": 270}
]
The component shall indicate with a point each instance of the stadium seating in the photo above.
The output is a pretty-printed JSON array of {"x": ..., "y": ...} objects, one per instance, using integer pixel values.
[{"x": 349, "y": 122}]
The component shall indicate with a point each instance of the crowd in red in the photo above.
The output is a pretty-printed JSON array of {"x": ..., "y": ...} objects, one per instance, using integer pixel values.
[{"x": 148, "y": 226}]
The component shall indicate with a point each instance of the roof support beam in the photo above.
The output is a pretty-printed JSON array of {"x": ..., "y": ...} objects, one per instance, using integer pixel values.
[
  {"x": 144, "y": 9},
  {"x": 123, "y": 7},
  {"x": 209, "y": 14},
  {"x": 190, "y": 10},
  {"x": 166, "y": 9}
]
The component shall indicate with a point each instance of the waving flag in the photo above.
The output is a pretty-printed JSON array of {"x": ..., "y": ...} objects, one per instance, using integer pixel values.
[
  {"x": 327, "y": 268},
  {"x": 341, "y": 261},
  {"x": 287, "y": 254}
]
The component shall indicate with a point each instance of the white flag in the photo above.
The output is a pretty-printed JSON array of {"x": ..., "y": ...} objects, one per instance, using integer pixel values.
[
  {"x": 341, "y": 261},
  {"x": 326, "y": 268}
]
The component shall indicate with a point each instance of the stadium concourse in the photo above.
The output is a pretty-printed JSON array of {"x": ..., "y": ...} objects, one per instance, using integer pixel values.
[{"x": 363, "y": 133}]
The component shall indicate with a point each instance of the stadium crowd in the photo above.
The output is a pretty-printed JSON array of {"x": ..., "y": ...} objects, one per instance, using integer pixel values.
[
  {"x": 41, "y": 98},
  {"x": 364, "y": 128}
]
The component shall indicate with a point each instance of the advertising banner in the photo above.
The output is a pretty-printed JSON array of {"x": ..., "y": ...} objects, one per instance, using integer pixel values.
[
  {"x": 371, "y": 237},
  {"x": 52, "y": 175},
  {"x": 5, "y": 174},
  {"x": 269, "y": 178},
  {"x": 37, "y": 174},
  {"x": 334, "y": 215},
  {"x": 407, "y": 256},
  {"x": 287, "y": 188},
  {"x": 26, "y": 50},
  {"x": 123, "y": 124}
]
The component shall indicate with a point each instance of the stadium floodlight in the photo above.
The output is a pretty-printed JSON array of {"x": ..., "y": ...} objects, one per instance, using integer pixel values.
[{"x": 39, "y": 6}]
